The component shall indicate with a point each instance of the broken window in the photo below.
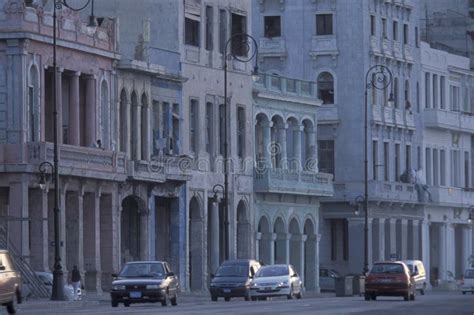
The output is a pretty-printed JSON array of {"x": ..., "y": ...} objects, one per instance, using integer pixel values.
[
  {"x": 209, "y": 28},
  {"x": 272, "y": 26},
  {"x": 239, "y": 26},
  {"x": 324, "y": 24},
  {"x": 326, "y": 88},
  {"x": 191, "y": 32}
]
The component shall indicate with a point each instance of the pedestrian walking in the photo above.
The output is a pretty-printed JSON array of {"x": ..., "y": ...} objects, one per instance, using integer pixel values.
[{"x": 76, "y": 281}]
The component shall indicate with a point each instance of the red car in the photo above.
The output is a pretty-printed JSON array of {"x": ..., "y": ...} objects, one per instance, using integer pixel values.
[{"x": 390, "y": 278}]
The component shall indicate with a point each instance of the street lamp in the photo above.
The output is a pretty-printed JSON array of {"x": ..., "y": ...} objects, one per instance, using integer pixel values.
[
  {"x": 470, "y": 219},
  {"x": 57, "y": 293},
  {"x": 358, "y": 200},
  {"x": 245, "y": 54},
  {"x": 380, "y": 79}
]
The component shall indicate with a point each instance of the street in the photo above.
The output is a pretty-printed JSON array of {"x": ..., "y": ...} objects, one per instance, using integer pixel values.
[{"x": 452, "y": 303}]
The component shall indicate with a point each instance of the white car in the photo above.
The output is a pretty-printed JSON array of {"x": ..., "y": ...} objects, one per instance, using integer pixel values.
[
  {"x": 468, "y": 281},
  {"x": 47, "y": 279},
  {"x": 276, "y": 280}
]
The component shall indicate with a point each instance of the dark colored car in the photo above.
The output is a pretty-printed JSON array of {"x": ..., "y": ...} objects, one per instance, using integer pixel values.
[
  {"x": 232, "y": 279},
  {"x": 10, "y": 283},
  {"x": 390, "y": 279},
  {"x": 145, "y": 281}
]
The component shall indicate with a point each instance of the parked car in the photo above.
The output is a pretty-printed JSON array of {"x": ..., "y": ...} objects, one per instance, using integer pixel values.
[
  {"x": 232, "y": 279},
  {"x": 276, "y": 280},
  {"x": 327, "y": 279},
  {"x": 145, "y": 281},
  {"x": 390, "y": 278},
  {"x": 10, "y": 283},
  {"x": 417, "y": 270},
  {"x": 47, "y": 279},
  {"x": 467, "y": 283}
]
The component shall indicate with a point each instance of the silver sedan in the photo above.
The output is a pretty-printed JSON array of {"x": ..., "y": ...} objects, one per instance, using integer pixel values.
[{"x": 276, "y": 280}]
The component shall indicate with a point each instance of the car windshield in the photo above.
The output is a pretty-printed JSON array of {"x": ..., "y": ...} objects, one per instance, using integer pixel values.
[
  {"x": 387, "y": 268},
  {"x": 142, "y": 270},
  {"x": 232, "y": 271},
  {"x": 469, "y": 274},
  {"x": 410, "y": 267},
  {"x": 272, "y": 271}
]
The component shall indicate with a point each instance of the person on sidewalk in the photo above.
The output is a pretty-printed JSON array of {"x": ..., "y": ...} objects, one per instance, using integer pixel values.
[{"x": 76, "y": 281}]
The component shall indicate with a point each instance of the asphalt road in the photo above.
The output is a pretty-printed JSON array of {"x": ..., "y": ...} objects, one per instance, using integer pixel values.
[{"x": 446, "y": 303}]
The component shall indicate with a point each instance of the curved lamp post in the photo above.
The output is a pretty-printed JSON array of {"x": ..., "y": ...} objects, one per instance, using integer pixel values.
[
  {"x": 380, "y": 79},
  {"x": 57, "y": 293},
  {"x": 470, "y": 218},
  {"x": 248, "y": 51}
]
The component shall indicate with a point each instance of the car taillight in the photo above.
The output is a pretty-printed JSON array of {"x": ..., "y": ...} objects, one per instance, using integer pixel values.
[
  {"x": 369, "y": 279},
  {"x": 402, "y": 278}
]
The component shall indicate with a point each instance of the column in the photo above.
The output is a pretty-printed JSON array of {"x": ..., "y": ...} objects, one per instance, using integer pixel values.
[
  {"x": 466, "y": 246},
  {"x": 146, "y": 134},
  {"x": 18, "y": 232},
  {"x": 302, "y": 241},
  {"x": 90, "y": 112},
  {"x": 80, "y": 232},
  {"x": 379, "y": 239},
  {"x": 214, "y": 226},
  {"x": 402, "y": 239},
  {"x": 127, "y": 129},
  {"x": 450, "y": 250},
  {"x": 267, "y": 138},
  {"x": 318, "y": 240},
  {"x": 97, "y": 243},
  {"x": 91, "y": 227},
  {"x": 59, "y": 103},
  {"x": 297, "y": 146},
  {"x": 136, "y": 132},
  {"x": 424, "y": 229},
  {"x": 282, "y": 141},
  {"x": 74, "y": 113},
  {"x": 413, "y": 249},
  {"x": 312, "y": 151},
  {"x": 392, "y": 238},
  {"x": 62, "y": 233}
]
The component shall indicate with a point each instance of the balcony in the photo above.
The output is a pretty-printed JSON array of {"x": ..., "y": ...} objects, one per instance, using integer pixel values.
[
  {"x": 287, "y": 182},
  {"x": 324, "y": 45},
  {"x": 327, "y": 114},
  {"x": 161, "y": 169},
  {"x": 304, "y": 91},
  {"x": 388, "y": 116},
  {"x": 272, "y": 47},
  {"x": 452, "y": 196},
  {"x": 397, "y": 49},
  {"x": 443, "y": 119},
  {"x": 381, "y": 191},
  {"x": 377, "y": 114},
  {"x": 387, "y": 47},
  {"x": 408, "y": 52},
  {"x": 375, "y": 44}
]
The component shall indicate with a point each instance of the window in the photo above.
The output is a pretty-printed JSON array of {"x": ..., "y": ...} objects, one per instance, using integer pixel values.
[
  {"x": 272, "y": 26},
  {"x": 397, "y": 162},
  {"x": 395, "y": 92},
  {"x": 427, "y": 90},
  {"x": 375, "y": 159},
  {"x": 454, "y": 91},
  {"x": 33, "y": 107},
  {"x": 455, "y": 168},
  {"x": 326, "y": 88},
  {"x": 395, "y": 30},
  {"x": 333, "y": 243},
  {"x": 209, "y": 27},
  {"x": 191, "y": 32},
  {"x": 428, "y": 166},
  {"x": 417, "y": 44},
  {"x": 209, "y": 124},
  {"x": 193, "y": 125},
  {"x": 442, "y": 92},
  {"x": 239, "y": 26},
  {"x": 324, "y": 24},
  {"x": 418, "y": 157},
  {"x": 435, "y": 167},
  {"x": 241, "y": 132},
  {"x": 175, "y": 125},
  {"x": 405, "y": 34},
  {"x": 384, "y": 28},
  {"x": 442, "y": 164},
  {"x": 222, "y": 30},
  {"x": 326, "y": 156},
  {"x": 466, "y": 170},
  {"x": 221, "y": 128},
  {"x": 435, "y": 91},
  {"x": 386, "y": 163},
  {"x": 407, "y": 95},
  {"x": 372, "y": 25},
  {"x": 408, "y": 157},
  {"x": 417, "y": 97},
  {"x": 165, "y": 111}
]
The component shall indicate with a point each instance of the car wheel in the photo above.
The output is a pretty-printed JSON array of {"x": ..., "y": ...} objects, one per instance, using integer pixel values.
[
  {"x": 114, "y": 303},
  {"x": 11, "y": 306},
  {"x": 374, "y": 297},
  {"x": 227, "y": 299},
  {"x": 19, "y": 298},
  {"x": 299, "y": 296},
  {"x": 253, "y": 298},
  {"x": 126, "y": 304},
  {"x": 214, "y": 298},
  {"x": 463, "y": 292},
  {"x": 412, "y": 296},
  {"x": 290, "y": 296},
  {"x": 406, "y": 297},
  {"x": 247, "y": 296},
  {"x": 367, "y": 297},
  {"x": 174, "y": 300}
]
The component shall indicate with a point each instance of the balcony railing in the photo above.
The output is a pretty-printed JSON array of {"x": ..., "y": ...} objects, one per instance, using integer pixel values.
[
  {"x": 452, "y": 196},
  {"x": 272, "y": 180},
  {"x": 327, "y": 114},
  {"x": 324, "y": 45},
  {"x": 160, "y": 169},
  {"x": 272, "y": 47},
  {"x": 294, "y": 87},
  {"x": 444, "y": 119}
]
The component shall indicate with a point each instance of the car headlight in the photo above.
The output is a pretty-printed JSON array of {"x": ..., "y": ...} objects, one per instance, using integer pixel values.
[
  {"x": 118, "y": 287},
  {"x": 283, "y": 284},
  {"x": 253, "y": 284},
  {"x": 153, "y": 286}
]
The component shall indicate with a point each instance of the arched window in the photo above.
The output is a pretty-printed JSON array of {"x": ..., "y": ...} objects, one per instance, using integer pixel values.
[
  {"x": 326, "y": 88},
  {"x": 124, "y": 128},
  {"x": 33, "y": 105},
  {"x": 104, "y": 111}
]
